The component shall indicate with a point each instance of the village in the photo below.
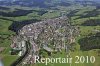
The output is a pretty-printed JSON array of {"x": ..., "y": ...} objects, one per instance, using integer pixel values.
[{"x": 52, "y": 35}]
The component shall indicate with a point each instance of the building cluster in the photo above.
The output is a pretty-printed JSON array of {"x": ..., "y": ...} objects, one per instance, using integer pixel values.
[{"x": 51, "y": 35}]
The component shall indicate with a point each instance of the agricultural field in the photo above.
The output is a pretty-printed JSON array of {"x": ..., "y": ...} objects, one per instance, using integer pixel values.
[{"x": 87, "y": 21}]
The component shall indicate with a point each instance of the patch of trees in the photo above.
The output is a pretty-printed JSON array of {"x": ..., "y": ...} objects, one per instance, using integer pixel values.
[
  {"x": 38, "y": 3},
  {"x": 15, "y": 26},
  {"x": 41, "y": 12},
  {"x": 72, "y": 13},
  {"x": 15, "y": 13},
  {"x": 90, "y": 42},
  {"x": 91, "y": 22},
  {"x": 43, "y": 53},
  {"x": 93, "y": 13},
  {"x": 33, "y": 3},
  {"x": 4, "y": 8},
  {"x": 64, "y": 4},
  {"x": 20, "y": 12},
  {"x": 98, "y": 6},
  {"x": 86, "y": 2}
]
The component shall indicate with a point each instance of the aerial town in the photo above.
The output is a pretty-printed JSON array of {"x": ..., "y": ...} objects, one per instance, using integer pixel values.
[
  {"x": 50, "y": 35},
  {"x": 49, "y": 32}
]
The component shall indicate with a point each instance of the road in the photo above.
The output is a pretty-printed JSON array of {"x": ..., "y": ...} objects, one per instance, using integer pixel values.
[{"x": 20, "y": 60}]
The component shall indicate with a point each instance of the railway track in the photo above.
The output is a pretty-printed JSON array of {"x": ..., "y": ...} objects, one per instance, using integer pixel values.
[{"x": 19, "y": 61}]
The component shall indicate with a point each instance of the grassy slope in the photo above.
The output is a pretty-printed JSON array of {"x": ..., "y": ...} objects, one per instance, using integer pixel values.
[
  {"x": 85, "y": 30},
  {"x": 5, "y": 41}
]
